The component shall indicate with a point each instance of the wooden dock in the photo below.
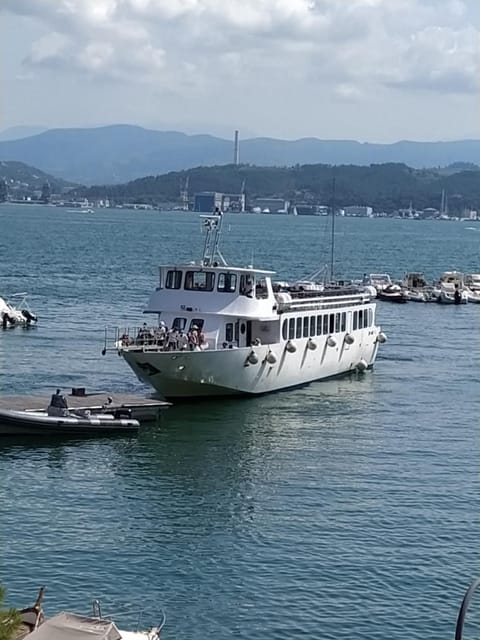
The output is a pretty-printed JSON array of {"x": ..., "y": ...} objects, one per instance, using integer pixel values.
[{"x": 142, "y": 408}]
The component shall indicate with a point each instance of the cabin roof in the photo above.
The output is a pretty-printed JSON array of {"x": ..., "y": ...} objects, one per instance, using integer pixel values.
[{"x": 220, "y": 268}]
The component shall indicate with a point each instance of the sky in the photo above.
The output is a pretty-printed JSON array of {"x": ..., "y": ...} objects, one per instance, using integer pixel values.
[{"x": 368, "y": 70}]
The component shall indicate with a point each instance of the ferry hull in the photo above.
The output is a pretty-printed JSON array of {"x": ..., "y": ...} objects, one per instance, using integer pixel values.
[{"x": 188, "y": 374}]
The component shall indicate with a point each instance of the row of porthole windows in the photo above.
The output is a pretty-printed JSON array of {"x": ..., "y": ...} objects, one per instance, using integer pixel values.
[
  {"x": 362, "y": 319},
  {"x": 326, "y": 324}
]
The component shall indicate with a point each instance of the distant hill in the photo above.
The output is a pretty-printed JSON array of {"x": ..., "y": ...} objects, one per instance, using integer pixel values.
[
  {"x": 14, "y": 133},
  {"x": 120, "y": 153},
  {"x": 385, "y": 187},
  {"x": 22, "y": 180}
]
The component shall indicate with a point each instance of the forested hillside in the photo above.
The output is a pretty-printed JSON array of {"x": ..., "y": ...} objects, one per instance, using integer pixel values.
[{"x": 385, "y": 187}]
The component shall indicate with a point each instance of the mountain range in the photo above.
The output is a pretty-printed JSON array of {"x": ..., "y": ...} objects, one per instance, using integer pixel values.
[{"x": 120, "y": 153}]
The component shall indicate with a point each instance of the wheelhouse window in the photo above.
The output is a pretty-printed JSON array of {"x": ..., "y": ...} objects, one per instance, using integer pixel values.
[
  {"x": 344, "y": 321},
  {"x": 227, "y": 282},
  {"x": 199, "y": 280},
  {"x": 173, "y": 279},
  {"x": 246, "y": 285},
  {"x": 261, "y": 290},
  {"x": 229, "y": 332},
  {"x": 285, "y": 329},
  {"x": 312, "y": 326}
]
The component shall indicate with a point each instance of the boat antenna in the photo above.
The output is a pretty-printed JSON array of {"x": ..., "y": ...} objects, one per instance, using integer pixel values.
[{"x": 332, "y": 247}]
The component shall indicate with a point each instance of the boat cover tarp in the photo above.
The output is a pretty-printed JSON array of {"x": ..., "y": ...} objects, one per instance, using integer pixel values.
[{"x": 70, "y": 626}]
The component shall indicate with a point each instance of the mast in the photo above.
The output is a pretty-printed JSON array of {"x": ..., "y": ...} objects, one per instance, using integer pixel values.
[
  {"x": 332, "y": 247},
  {"x": 212, "y": 223}
]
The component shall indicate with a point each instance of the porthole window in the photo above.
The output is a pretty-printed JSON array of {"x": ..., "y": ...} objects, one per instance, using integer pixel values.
[
  {"x": 298, "y": 333},
  {"x": 337, "y": 323},
  {"x": 306, "y": 323},
  {"x": 291, "y": 328}
]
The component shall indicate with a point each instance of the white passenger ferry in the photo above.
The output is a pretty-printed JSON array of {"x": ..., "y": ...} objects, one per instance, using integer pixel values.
[{"x": 225, "y": 330}]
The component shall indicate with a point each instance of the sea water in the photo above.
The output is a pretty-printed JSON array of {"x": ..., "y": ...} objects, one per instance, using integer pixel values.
[{"x": 344, "y": 509}]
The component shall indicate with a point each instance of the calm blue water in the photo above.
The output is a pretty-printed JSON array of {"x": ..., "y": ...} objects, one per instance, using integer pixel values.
[{"x": 345, "y": 509}]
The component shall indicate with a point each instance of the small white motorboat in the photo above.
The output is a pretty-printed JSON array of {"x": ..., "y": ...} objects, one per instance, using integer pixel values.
[
  {"x": 72, "y": 626},
  {"x": 14, "y": 315},
  {"x": 458, "y": 296},
  {"x": 77, "y": 423},
  {"x": 472, "y": 296},
  {"x": 392, "y": 293}
]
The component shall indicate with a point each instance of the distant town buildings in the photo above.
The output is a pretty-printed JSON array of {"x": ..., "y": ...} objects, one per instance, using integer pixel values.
[
  {"x": 207, "y": 201},
  {"x": 358, "y": 210},
  {"x": 271, "y": 205},
  {"x": 46, "y": 193}
]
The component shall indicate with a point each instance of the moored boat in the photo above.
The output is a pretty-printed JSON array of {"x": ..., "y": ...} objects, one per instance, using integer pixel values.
[
  {"x": 451, "y": 288},
  {"x": 16, "y": 315},
  {"x": 85, "y": 423},
  {"x": 72, "y": 626},
  {"x": 392, "y": 293},
  {"x": 225, "y": 330},
  {"x": 472, "y": 281},
  {"x": 456, "y": 297},
  {"x": 416, "y": 288},
  {"x": 379, "y": 281}
]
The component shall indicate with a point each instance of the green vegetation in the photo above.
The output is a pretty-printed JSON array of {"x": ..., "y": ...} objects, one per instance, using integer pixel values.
[
  {"x": 9, "y": 619},
  {"x": 385, "y": 187}
]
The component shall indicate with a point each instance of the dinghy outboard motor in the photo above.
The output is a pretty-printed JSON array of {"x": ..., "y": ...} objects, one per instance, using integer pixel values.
[
  {"x": 29, "y": 317},
  {"x": 6, "y": 320},
  {"x": 122, "y": 412},
  {"x": 457, "y": 295}
]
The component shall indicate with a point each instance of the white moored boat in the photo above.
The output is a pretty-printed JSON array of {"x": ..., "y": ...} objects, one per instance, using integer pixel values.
[
  {"x": 72, "y": 626},
  {"x": 226, "y": 330},
  {"x": 14, "y": 315}
]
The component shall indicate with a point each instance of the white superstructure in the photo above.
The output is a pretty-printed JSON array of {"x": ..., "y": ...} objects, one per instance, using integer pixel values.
[{"x": 225, "y": 330}]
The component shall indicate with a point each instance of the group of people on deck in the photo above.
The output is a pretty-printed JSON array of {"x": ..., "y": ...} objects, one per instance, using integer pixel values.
[{"x": 173, "y": 339}]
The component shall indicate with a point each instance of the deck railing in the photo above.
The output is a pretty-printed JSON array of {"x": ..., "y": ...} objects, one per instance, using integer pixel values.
[{"x": 153, "y": 338}]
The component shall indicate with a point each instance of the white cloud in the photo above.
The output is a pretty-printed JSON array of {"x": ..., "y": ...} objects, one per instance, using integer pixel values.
[{"x": 351, "y": 45}]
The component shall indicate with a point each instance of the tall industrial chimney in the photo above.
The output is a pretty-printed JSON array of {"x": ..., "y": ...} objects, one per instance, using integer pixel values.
[{"x": 236, "y": 149}]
